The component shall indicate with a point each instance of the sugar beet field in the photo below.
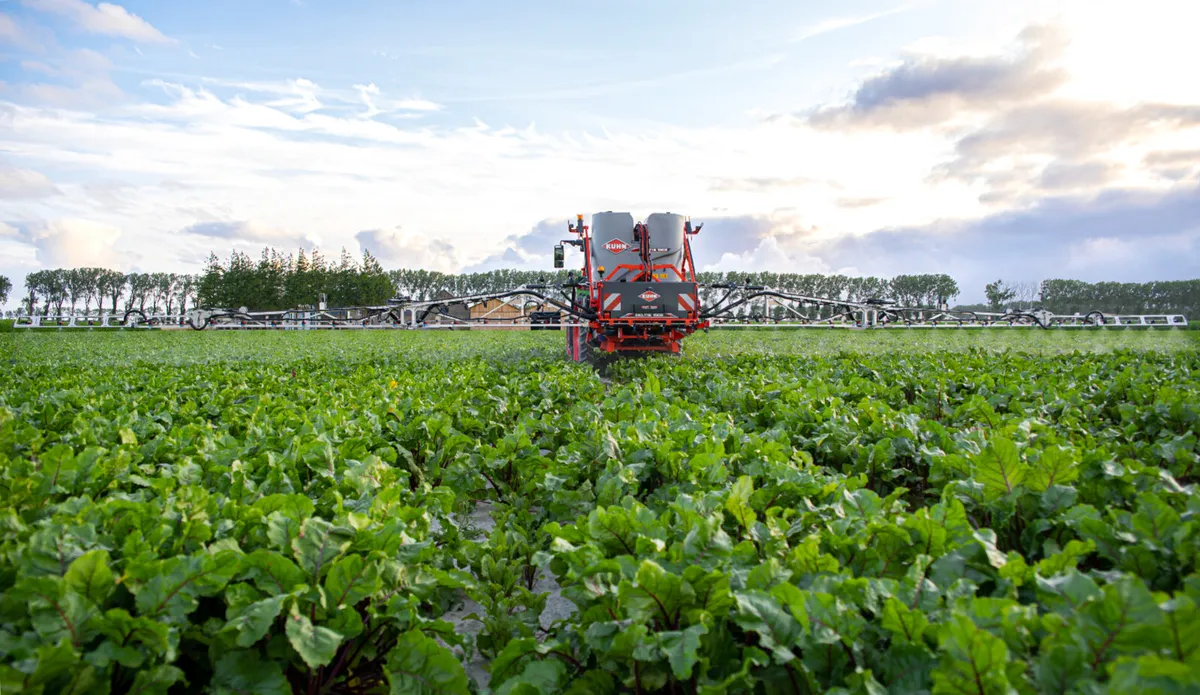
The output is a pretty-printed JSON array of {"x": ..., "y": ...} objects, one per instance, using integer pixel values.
[{"x": 795, "y": 512}]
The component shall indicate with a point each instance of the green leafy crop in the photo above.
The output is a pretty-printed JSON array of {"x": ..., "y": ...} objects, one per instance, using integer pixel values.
[{"x": 462, "y": 513}]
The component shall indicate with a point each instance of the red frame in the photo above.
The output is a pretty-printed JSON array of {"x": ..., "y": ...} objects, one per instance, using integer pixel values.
[{"x": 641, "y": 334}]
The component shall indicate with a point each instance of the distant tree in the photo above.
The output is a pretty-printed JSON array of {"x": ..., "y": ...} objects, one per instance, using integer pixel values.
[
  {"x": 185, "y": 289},
  {"x": 343, "y": 287},
  {"x": 5, "y": 288},
  {"x": 267, "y": 283},
  {"x": 241, "y": 282},
  {"x": 56, "y": 289},
  {"x": 33, "y": 285},
  {"x": 111, "y": 284},
  {"x": 945, "y": 289},
  {"x": 374, "y": 285},
  {"x": 89, "y": 278},
  {"x": 922, "y": 290},
  {"x": 297, "y": 286},
  {"x": 210, "y": 286},
  {"x": 74, "y": 281},
  {"x": 154, "y": 289},
  {"x": 1025, "y": 294},
  {"x": 168, "y": 288},
  {"x": 141, "y": 287},
  {"x": 997, "y": 294}
]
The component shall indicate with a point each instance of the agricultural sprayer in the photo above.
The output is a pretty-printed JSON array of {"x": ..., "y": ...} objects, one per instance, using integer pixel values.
[{"x": 635, "y": 293}]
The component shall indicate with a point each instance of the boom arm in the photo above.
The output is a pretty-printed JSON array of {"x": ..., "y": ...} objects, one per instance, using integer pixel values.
[
  {"x": 639, "y": 293},
  {"x": 883, "y": 312},
  {"x": 572, "y": 309},
  {"x": 720, "y": 314}
]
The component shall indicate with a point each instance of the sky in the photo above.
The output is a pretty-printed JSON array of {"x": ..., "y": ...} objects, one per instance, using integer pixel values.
[{"x": 1021, "y": 140}]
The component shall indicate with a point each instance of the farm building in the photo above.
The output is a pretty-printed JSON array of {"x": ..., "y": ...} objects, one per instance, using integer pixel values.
[{"x": 509, "y": 309}]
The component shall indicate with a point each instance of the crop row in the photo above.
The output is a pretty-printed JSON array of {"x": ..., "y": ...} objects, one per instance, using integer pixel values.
[{"x": 951, "y": 521}]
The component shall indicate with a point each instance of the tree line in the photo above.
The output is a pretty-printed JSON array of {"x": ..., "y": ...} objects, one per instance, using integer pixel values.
[
  {"x": 280, "y": 281},
  {"x": 277, "y": 281},
  {"x": 49, "y": 291},
  {"x": 273, "y": 282},
  {"x": 1076, "y": 296}
]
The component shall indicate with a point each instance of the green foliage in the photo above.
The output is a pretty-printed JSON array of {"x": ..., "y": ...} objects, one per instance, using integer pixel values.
[
  {"x": 998, "y": 294},
  {"x": 1169, "y": 297},
  {"x": 854, "y": 514},
  {"x": 418, "y": 665},
  {"x": 1062, "y": 296},
  {"x": 83, "y": 288},
  {"x": 279, "y": 281}
]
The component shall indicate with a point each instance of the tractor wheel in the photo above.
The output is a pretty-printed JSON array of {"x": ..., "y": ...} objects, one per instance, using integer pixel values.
[
  {"x": 586, "y": 352},
  {"x": 578, "y": 347}
]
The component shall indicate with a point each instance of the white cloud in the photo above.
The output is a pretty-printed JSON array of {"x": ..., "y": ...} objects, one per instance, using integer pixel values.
[
  {"x": 250, "y": 232},
  {"x": 24, "y": 184},
  {"x": 293, "y": 160},
  {"x": 80, "y": 80},
  {"x": 376, "y": 104},
  {"x": 1113, "y": 256},
  {"x": 1133, "y": 52},
  {"x": 89, "y": 93},
  {"x": 106, "y": 19},
  {"x": 73, "y": 243},
  {"x": 939, "y": 89},
  {"x": 770, "y": 256},
  {"x": 369, "y": 92},
  {"x": 837, "y": 23},
  {"x": 400, "y": 248},
  {"x": 415, "y": 104},
  {"x": 263, "y": 155},
  {"x": 304, "y": 96},
  {"x": 9, "y": 31}
]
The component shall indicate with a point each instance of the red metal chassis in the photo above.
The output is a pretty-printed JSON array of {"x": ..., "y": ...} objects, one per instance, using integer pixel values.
[{"x": 630, "y": 334}]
